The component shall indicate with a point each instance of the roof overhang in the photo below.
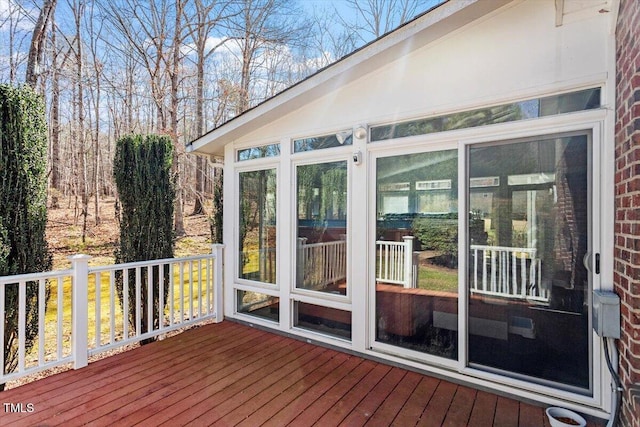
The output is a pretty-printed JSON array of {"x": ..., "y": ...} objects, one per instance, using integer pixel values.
[{"x": 431, "y": 26}]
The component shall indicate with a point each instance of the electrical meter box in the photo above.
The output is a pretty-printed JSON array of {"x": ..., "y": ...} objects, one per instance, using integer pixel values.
[{"x": 606, "y": 314}]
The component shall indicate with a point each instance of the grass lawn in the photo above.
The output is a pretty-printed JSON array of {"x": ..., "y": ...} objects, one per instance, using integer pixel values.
[{"x": 437, "y": 278}]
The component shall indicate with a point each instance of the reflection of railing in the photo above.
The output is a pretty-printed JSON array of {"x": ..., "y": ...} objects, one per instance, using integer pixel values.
[
  {"x": 395, "y": 262},
  {"x": 320, "y": 264},
  {"x": 507, "y": 272}
]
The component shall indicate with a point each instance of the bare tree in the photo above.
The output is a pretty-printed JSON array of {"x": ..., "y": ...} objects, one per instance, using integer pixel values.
[
  {"x": 377, "y": 17},
  {"x": 95, "y": 27},
  {"x": 154, "y": 31},
  {"x": 38, "y": 41},
  {"x": 200, "y": 25},
  {"x": 258, "y": 26}
]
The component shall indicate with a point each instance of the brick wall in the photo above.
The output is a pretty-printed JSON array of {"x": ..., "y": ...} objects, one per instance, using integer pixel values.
[{"x": 627, "y": 225}]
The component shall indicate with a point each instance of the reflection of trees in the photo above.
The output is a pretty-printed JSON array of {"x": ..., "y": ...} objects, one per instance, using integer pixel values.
[
  {"x": 322, "y": 191},
  {"x": 467, "y": 119},
  {"x": 257, "y": 209}
]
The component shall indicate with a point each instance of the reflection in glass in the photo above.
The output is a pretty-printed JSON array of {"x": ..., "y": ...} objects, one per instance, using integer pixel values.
[
  {"x": 326, "y": 320},
  {"x": 528, "y": 311},
  {"x": 321, "y": 142},
  {"x": 417, "y": 252},
  {"x": 551, "y": 105},
  {"x": 272, "y": 150},
  {"x": 321, "y": 251},
  {"x": 257, "y": 231},
  {"x": 259, "y": 305}
]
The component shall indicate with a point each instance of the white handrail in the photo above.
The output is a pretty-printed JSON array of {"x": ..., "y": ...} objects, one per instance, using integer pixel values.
[{"x": 98, "y": 327}]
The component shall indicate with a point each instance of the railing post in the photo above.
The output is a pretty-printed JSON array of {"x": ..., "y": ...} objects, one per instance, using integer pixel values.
[
  {"x": 218, "y": 300},
  {"x": 80, "y": 310},
  {"x": 300, "y": 261},
  {"x": 408, "y": 261}
]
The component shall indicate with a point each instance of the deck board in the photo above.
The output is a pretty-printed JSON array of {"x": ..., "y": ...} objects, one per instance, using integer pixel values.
[{"x": 229, "y": 374}]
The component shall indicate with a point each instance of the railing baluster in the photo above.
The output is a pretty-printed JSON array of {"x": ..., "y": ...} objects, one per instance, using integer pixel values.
[
  {"x": 137, "y": 308},
  {"x": 161, "y": 297},
  {"x": 199, "y": 288},
  {"x": 181, "y": 282},
  {"x": 125, "y": 294},
  {"x": 60, "y": 317},
  {"x": 22, "y": 321},
  {"x": 514, "y": 273},
  {"x": 171, "y": 297},
  {"x": 112, "y": 307},
  {"x": 41, "y": 318},
  {"x": 149, "y": 298},
  {"x": 523, "y": 276},
  {"x": 190, "y": 284},
  {"x": 98, "y": 310}
]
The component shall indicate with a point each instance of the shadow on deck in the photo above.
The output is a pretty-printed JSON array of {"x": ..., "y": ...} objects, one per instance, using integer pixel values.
[{"x": 229, "y": 374}]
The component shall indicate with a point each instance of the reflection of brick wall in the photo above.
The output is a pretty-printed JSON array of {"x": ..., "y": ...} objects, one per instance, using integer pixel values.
[
  {"x": 627, "y": 224},
  {"x": 571, "y": 221}
]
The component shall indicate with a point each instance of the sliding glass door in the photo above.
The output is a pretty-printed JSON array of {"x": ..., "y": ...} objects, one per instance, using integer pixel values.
[
  {"x": 526, "y": 242},
  {"x": 528, "y": 312}
]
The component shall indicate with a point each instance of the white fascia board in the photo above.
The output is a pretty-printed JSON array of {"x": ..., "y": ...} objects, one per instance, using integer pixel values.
[{"x": 433, "y": 25}]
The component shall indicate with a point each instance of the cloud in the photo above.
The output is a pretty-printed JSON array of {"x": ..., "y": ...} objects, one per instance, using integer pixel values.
[{"x": 23, "y": 18}]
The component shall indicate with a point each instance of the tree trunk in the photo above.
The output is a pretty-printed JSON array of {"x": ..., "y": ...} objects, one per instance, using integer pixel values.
[
  {"x": 36, "y": 48},
  {"x": 178, "y": 149}
]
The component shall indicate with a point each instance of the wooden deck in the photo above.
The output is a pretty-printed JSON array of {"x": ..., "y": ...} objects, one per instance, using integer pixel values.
[{"x": 229, "y": 374}]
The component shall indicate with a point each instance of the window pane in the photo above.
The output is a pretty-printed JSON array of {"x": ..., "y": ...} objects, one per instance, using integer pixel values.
[
  {"x": 259, "y": 305},
  {"x": 329, "y": 321},
  {"x": 322, "y": 142},
  {"x": 417, "y": 252},
  {"x": 321, "y": 255},
  {"x": 528, "y": 305},
  {"x": 257, "y": 251},
  {"x": 551, "y": 105},
  {"x": 272, "y": 150}
]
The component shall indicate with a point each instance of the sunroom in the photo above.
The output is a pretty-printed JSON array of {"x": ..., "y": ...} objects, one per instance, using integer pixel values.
[{"x": 436, "y": 200}]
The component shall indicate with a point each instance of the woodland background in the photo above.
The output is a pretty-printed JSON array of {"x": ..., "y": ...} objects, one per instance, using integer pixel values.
[{"x": 110, "y": 68}]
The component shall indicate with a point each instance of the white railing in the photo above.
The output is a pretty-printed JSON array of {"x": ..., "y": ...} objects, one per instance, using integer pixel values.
[
  {"x": 321, "y": 264},
  {"x": 395, "y": 263},
  {"x": 507, "y": 272},
  {"x": 84, "y": 315}
]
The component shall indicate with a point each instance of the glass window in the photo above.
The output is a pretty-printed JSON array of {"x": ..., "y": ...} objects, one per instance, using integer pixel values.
[
  {"x": 557, "y": 104},
  {"x": 257, "y": 230},
  {"x": 259, "y": 305},
  {"x": 326, "y": 320},
  {"x": 417, "y": 252},
  {"x": 321, "y": 255},
  {"x": 322, "y": 142},
  {"x": 272, "y": 150},
  {"x": 528, "y": 287}
]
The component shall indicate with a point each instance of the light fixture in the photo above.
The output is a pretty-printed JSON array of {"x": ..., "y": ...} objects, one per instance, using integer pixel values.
[
  {"x": 342, "y": 136},
  {"x": 361, "y": 132}
]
